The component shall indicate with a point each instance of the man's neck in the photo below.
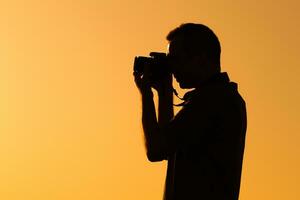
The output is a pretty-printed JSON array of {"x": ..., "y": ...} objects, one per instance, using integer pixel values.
[{"x": 208, "y": 78}]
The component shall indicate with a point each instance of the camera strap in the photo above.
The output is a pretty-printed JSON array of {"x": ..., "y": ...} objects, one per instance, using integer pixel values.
[{"x": 176, "y": 94}]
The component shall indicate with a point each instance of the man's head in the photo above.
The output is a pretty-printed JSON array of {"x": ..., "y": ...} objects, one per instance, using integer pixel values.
[{"x": 194, "y": 54}]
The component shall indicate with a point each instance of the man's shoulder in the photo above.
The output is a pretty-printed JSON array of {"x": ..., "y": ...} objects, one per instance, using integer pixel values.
[
  {"x": 215, "y": 101},
  {"x": 215, "y": 94},
  {"x": 209, "y": 102}
]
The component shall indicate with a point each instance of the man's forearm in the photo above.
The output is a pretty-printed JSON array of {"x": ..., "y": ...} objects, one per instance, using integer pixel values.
[
  {"x": 149, "y": 121},
  {"x": 154, "y": 138}
]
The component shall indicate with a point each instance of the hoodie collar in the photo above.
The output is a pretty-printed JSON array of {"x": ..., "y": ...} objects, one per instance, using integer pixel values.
[{"x": 220, "y": 78}]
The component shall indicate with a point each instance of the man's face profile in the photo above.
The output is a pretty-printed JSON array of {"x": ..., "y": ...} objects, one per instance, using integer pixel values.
[{"x": 187, "y": 69}]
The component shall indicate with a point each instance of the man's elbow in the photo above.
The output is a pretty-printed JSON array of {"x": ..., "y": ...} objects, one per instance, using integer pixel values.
[{"x": 155, "y": 157}]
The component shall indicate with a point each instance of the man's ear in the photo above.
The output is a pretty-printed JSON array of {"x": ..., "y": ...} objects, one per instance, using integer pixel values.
[{"x": 201, "y": 58}]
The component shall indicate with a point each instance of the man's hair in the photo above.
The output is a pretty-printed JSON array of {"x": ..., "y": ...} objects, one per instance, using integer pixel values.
[{"x": 198, "y": 38}]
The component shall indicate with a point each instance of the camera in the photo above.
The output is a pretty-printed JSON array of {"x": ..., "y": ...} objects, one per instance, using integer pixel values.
[{"x": 157, "y": 62}]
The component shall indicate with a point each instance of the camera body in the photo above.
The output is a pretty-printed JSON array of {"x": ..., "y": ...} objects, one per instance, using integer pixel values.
[{"x": 157, "y": 62}]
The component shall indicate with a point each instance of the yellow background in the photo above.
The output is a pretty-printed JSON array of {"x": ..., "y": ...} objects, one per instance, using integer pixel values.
[{"x": 70, "y": 122}]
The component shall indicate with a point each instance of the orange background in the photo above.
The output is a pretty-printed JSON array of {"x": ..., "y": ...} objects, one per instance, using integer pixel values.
[{"x": 70, "y": 122}]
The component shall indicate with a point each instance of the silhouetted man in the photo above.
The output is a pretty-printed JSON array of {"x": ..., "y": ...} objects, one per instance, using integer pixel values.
[{"x": 204, "y": 142}]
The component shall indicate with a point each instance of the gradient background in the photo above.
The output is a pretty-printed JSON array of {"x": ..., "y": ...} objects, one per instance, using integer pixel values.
[{"x": 70, "y": 122}]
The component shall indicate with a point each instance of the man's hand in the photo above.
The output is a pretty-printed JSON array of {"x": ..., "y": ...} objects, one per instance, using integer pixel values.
[{"x": 144, "y": 83}]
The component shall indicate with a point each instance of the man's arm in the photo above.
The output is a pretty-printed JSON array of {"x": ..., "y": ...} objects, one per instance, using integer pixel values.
[
  {"x": 150, "y": 125},
  {"x": 155, "y": 138},
  {"x": 154, "y": 131}
]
